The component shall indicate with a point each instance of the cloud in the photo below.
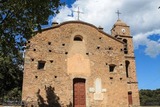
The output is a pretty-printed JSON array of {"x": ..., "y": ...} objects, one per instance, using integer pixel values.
[
  {"x": 152, "y": 46},
  {"x": 143, "y": 17}
]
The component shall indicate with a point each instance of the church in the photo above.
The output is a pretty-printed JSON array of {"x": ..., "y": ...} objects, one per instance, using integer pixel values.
[{"x": 76, "y": 64}]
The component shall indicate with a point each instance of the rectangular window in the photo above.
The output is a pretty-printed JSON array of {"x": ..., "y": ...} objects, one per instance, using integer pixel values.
[
  {"x": 41, "y": 64},
  {"x": 111, "y": 67}
]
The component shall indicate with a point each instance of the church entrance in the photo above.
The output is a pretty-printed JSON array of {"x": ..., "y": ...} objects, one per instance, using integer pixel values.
[{"x": 79, "y": 96}]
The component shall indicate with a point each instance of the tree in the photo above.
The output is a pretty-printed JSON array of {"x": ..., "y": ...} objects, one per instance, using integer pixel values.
[
  {"x": 150, "y": 97},
  {"x": 18, "y": 20}
]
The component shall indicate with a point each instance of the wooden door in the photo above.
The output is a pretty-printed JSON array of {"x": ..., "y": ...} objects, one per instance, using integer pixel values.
[
  {"x": 130, "y": 98},
  {"x": 79, "y": 96}
]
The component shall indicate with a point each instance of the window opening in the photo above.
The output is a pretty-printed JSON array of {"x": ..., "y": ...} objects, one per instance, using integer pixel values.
[
  {"x": 78, "y": 38},
  {"x": 125, "y": 51},
  {"x": 41, "y": 64},
  {"x": 49, "y": 43},
  {"x": 111, "y": 67},
  {"x": 127, "y": 68},
  {"x": 125, "y": 46}
]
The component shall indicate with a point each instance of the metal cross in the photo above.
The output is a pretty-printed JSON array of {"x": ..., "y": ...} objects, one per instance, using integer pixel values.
[
  {"x": 78, "y": 12},
  {"x": 118, "y": 13}
]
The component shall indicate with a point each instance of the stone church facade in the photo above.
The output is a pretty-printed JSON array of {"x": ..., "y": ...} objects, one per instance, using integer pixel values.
[{"x": 75, "y": 64}]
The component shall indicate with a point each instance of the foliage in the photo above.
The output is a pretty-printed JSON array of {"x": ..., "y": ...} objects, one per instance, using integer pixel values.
[
  {"x": 10, "y": 73},
  {"x": 149, "y": 97},
  {"x": 18, "y": 20}
]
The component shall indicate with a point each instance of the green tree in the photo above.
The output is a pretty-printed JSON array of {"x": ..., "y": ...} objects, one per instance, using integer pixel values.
[
  {"x": 149, "y": 97},
  {"x": 18, "y": 20}
]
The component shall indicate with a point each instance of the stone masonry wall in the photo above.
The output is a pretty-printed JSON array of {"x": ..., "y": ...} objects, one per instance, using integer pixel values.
[{"x": 66, "y": 59}]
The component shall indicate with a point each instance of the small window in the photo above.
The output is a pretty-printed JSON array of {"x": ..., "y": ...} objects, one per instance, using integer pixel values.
[
  {"x": 49, "y": 43},
  {"x": 125, "y": 41},
  {"x": 125, "y": 51},
  {"x": 111, "y": 67},
  {"x": 41, "y": 64},
  {"x": 125, "y": 46},
  {"x": 78, "y": 38}
]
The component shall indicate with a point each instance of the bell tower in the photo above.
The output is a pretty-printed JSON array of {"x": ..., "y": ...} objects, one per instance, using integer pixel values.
[{"x": 121, "y": 31}]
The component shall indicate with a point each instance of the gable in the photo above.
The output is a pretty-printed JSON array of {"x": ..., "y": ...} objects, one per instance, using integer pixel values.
[{"x": 71, "y": 27}]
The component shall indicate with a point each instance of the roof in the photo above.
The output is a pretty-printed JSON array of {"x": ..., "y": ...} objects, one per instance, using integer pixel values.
[{"x": 120, "y": 23}]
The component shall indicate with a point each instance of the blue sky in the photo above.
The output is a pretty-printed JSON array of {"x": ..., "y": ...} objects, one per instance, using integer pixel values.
[{"x": 143, "y": 17}]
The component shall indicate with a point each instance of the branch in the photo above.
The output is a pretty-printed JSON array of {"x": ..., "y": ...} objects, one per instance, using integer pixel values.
[{"x": 7, "y": 14}]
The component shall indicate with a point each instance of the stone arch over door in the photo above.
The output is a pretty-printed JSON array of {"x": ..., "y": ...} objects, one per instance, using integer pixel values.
[{"x": 79, "y": 92}]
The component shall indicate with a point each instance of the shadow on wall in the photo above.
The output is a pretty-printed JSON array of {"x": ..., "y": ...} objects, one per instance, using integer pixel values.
[{"x": 52, "y": 99}]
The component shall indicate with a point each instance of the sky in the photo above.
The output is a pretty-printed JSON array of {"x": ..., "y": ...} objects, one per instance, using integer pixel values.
[{"x": 143, "y": 17}]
